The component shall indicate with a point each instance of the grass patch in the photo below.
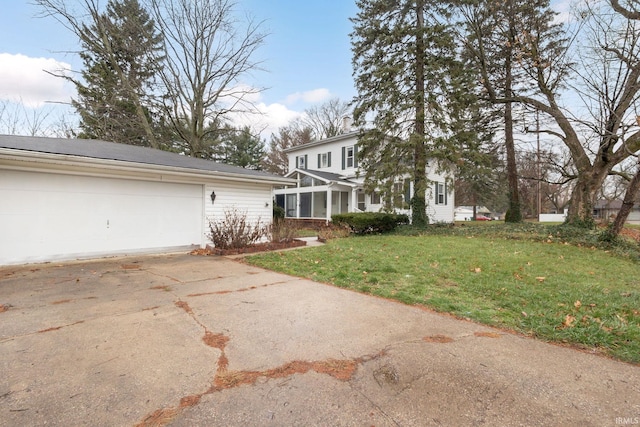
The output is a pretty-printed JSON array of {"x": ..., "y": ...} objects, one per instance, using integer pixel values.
[{"x": 532, "y": 282}]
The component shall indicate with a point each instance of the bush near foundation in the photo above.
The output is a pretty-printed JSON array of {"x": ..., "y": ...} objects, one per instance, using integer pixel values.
[
  {"x": 283, "y": 230},
  {"x": 370, "y": 222},
  {"x": 235, "y": 231}
]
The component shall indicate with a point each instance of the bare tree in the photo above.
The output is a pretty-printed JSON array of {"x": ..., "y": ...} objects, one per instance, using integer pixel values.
[
  {"x": 605, "y": 81},
  {"x": 276, "y": 160},
  {"x": 328, "y": 119},
  {"x": 16, "y": 119},
  {"x": 208, "y": 53}
]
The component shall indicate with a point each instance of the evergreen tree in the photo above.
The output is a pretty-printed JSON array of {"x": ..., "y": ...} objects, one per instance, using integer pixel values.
[
  {"x": 242, "y": 148},
  {"x": 408, "y": 80},
  {"x": 121, "y": 55}
]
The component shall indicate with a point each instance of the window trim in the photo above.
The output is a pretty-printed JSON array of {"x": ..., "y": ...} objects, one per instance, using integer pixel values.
[
  {"x": 324, "y": 160},
  {"x": 440, "y": 194},
  {"x": 302, "y": 162}
]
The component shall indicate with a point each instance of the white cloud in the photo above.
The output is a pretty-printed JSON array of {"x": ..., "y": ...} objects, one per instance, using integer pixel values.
[
  {"x": 268, "y": 119},
  {"x": 310, "y": 96},
  {"x": 23, "y": 79}
]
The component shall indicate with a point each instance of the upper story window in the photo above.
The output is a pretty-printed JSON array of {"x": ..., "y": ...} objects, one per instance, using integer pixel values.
[
  {"x": 324, "y": 160},
  {"x": 350, "y": 157},
  {"x": 441, "y": 193},
  {"x": 301, "y": 162},
  {"x": 375, "y": 198}
]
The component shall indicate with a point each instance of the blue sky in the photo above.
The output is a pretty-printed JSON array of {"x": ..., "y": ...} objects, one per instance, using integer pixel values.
[{"x": 307, "y": 56}]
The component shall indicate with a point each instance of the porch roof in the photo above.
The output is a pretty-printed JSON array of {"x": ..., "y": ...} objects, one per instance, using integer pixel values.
[{"x": 327, "y": 177}]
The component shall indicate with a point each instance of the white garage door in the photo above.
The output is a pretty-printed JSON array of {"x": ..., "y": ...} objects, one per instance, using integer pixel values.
[{"x": 50, "y": 216}]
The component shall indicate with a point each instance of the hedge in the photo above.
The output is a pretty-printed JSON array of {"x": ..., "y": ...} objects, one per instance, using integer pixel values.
[{"x": 369, "y": 222}]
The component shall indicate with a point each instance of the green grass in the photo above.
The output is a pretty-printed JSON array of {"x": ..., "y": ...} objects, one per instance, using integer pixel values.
[{"x": 527, "y": 282}]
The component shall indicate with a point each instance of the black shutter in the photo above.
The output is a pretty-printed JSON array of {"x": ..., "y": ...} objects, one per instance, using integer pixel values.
[
  {"x": 329, "y": 159},
  {"x": 344, "y": 155},
  {"x": 435, "y": 193},
  {"x": 355, "y": 156},
  {"x": 319, "y": 161},
  {"x": 407, "y": 191},
  {"x": 306, "y": 162}
]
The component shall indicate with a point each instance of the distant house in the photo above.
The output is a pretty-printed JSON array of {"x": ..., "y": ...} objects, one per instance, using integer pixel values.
[
  {"x": 68, "y": 199},
  {"x": 465, "y": 213},
  {"x": 329, "y": 180},
  {"x": 606, "y": 210}
]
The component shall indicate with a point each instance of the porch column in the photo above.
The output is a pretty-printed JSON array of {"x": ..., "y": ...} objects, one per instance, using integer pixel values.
[
  {"x": 354, "y": 199},
  {"x": 329, "y": 203}
]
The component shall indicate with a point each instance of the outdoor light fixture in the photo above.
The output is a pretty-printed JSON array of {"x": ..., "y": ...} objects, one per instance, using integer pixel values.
[{"x": 213, "y": 197}]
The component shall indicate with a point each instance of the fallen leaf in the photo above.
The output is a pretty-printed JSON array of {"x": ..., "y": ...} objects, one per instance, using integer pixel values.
[
  {"x": 524, "y": 314},
  {"x": 540, "y": 279},
  {"x": 577, "y": 304},
  {"x": 568, "y": 321},
  {"x": 477, "y": 269}
]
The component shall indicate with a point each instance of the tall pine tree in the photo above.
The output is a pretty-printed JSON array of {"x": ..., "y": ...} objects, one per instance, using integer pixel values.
[
  {"x": 407, "y": 76},
  {"x": 121, "y": 57}
]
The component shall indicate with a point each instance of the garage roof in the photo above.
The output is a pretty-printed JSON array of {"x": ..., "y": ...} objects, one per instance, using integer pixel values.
[{"x": 103, "y": 150}]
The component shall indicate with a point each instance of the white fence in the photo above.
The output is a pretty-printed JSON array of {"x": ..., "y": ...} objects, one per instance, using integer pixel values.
[{"x": 552, "y": 217}]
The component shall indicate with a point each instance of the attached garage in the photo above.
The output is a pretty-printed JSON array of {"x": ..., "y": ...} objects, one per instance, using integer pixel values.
[{"x": 69, "y": 199}]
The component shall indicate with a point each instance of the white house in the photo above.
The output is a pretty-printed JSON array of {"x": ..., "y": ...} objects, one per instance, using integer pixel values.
[
  {"x": 329, "y": 181},
  {"x": 69, "y": 199}
]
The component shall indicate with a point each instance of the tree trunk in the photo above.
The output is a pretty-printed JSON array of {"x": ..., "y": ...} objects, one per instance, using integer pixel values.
[
  {"x": 418, "y": 202},
  {"x": 630, "y": 198},
  {"x": 513, "y": 213},
  {"x": 582, "y": 197}
]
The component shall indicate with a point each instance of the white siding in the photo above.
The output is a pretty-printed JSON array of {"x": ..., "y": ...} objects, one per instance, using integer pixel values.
[
  {"x": 253, "y": 198},
  {"x": 439, "y": 212},
  {"x": 334, "y": 147}
]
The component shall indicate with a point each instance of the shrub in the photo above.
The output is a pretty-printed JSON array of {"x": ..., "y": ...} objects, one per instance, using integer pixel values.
[
  {"x": 283, "y": 230},
  {"x": 234, "y": 231},
  {"x": 370, "y": 222},
  {"x": 278, "y": 212},
  {"x": 333, "y": 231}
]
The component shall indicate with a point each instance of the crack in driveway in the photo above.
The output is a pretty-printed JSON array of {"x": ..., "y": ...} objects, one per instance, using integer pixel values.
[{"x": 339, "y": 369}]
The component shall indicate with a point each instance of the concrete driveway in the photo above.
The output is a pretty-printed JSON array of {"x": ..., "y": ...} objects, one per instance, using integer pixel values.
[{"x": 184, "y": 340}]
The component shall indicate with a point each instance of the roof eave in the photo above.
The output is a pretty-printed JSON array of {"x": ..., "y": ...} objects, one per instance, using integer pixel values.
[{"x": 134, "y": 168}]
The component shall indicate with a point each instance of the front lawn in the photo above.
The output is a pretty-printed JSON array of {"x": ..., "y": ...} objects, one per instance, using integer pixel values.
[{"x": 551, "y": 290}]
